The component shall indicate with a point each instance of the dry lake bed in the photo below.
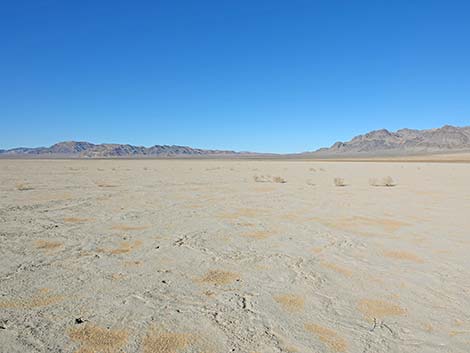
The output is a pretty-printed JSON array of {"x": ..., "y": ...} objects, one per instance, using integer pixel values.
[{"x": 249, "y": 256}]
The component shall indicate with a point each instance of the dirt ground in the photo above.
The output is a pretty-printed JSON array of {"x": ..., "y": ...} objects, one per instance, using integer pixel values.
[{"x": 249, "y": 256}]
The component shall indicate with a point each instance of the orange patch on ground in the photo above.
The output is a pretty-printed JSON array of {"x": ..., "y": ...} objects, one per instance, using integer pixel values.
[
  {"x": 372, "y": 308},
  {"x": 50, "y": 195},
  {"x": 243, "y": 212},
  {"x": 428, "y": 328},
  {"x": 403, "y": 255},
  {"x": 48, "y": 245},
  {"x": 339, "y": 269},
  {"x": 77, "y": 220},
  {"x": 364, "y": 225},
  {"x": 329, "y": 337},
  {"x": 40, "y": 300},
  {"x": 261, "y": 234},
  {"x": 290, "y": 302},
  {"x": 95, "y": 339},
  {"x": 246, "y": 224},
  {"x": 262, "y": 267},
  {"x": 126, "y": 228},
  {"x": 219, "y": 277},
  {"x": 157, "y": 341},
  {"x": 292, "y": 217},
  {"x": 126, "y": 247},
  {"x": 123, "y": 248},
  {"x": 117, "y": 277}
]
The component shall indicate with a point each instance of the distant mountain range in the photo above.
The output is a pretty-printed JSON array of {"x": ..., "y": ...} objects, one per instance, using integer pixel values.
[
  {"x": 403, "y": 142},
  {"x": 90, "y": 150},
  {"x": 375, "y": 143}
]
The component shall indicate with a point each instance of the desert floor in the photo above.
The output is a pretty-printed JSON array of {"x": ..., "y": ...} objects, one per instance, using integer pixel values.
[{"x": 175, "y": 256}]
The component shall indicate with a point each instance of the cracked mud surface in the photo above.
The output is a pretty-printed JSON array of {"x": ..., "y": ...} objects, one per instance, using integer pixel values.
[{"x": 180, "y": 256}]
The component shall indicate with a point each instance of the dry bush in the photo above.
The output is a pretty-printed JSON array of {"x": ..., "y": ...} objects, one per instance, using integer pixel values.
[
  {"x": 339, "y": 182},
  {"x": 262, "y": 178},
  {"x": 105, "y": 185},
  {"x": 278, "y": 179},
  {"x": 269, "y": 179},
  {"x": 311, "y": 183},
  {"x": 386, "y": 181},
  {"x": 373, "y": 182},
  {"x": 23, "y": 187}
]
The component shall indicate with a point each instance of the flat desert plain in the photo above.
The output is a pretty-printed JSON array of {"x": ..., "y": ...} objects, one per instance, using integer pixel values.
[{"x": 215, "y": 256}]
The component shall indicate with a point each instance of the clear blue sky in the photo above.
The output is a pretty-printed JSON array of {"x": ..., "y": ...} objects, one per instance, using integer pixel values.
[{"x": 278, "y": 76}]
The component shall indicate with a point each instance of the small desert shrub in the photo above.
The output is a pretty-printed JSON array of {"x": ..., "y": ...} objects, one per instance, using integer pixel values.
[
  {"x": 311, "y": 183},
  {"x": 339, "y": 182},
  {"x": 386, "y": 181},
  {"x": 269, "y": 179},
  {"x": 262, "y": 178},
  {"x": 105, "y": 185},
  {"x": 23, "y": 187},
  {"x": 278, "y": 179}
]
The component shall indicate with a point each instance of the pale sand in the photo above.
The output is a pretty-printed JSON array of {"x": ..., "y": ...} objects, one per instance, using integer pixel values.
[{"x": 143, "y": 256}]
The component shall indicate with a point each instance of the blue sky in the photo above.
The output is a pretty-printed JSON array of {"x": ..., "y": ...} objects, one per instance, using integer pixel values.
[{"x": 268, "y": 76}]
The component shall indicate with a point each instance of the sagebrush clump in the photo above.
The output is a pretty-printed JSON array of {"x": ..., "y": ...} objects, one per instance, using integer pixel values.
[
  {"x": 339, "y": 182},
  {"x": 278, "y": 179},
  {"x": 23, "y": 187},
  {"x": 269, "y": 179},
  {"x": 262, "y": 178},
  {"x": 386, "y": 182}
]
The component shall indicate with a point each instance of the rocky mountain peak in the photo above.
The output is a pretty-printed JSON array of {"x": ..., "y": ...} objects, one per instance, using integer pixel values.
[{"x": 404, "y": 141}]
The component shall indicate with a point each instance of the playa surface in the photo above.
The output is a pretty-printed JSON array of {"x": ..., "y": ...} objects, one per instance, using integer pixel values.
[{"x": 213, "y": 256}]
